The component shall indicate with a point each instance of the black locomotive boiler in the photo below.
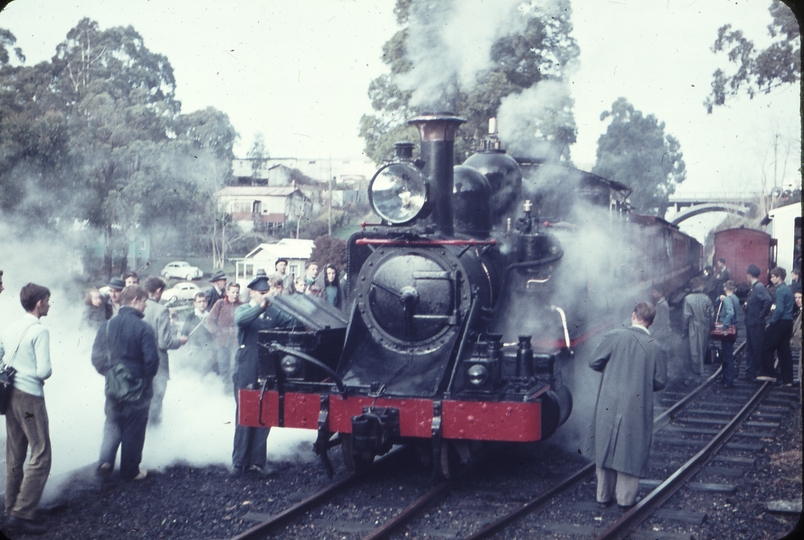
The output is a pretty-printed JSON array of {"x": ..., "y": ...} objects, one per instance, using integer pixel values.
[{"x": 458, "y": 323}]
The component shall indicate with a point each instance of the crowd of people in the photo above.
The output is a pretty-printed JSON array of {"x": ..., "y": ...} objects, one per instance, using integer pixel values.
[
  {"x": 634, "y": 362},
  {"x": 135, "y": 332}
]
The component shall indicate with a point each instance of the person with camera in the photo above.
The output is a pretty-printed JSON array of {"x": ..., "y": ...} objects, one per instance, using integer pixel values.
[{"x": 26, "y": 348}]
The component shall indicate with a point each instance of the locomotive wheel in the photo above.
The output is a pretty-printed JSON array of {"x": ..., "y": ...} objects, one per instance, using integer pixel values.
[{"x": 354, "y": 463}]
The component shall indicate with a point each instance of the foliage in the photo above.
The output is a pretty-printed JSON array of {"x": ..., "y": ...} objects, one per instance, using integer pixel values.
[
  {"x": 329, "y": 250},
  {"x": 96, "y": 136},
  {"x": 636, "y": 151},
  {"x": 757, "y": 70},
  {"x": 519, "y": 58},
  {"x": 258, "y": 155}
]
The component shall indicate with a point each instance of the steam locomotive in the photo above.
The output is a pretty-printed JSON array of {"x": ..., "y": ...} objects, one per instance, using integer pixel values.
[{"x": 466, "y": 302}]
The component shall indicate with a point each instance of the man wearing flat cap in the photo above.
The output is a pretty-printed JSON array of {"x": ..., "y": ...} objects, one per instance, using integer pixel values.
[
  {"x": 217, "y": 290},
  {"x": 111, "y": 300},
  {"x": 757, "y": 308},
  {"x": 249, "y": 454},
  {"x": 281, "y": 266}
]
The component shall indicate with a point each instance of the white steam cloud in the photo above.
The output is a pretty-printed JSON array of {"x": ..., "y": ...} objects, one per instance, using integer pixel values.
[
  {"x": 523, "y": 118},
  {"x": 199, "y": 414},
  {"x": 449, "y": 44}
]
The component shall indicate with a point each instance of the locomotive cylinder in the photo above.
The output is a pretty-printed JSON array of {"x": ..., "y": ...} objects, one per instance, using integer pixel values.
[{"x": 437, "y": 132}]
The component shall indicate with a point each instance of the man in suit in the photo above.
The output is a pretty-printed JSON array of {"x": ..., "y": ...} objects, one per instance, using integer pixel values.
[
  {"x": 757, "y": 308},
  {"x": 217, "y": 290}
]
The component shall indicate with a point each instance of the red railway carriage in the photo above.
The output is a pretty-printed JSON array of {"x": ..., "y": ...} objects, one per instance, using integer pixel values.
[{"x": 741, "y": 247}]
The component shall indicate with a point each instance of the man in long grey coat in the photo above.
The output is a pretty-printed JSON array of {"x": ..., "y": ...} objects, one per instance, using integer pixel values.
[
  {"x": 699, "y": 316},
  {"x": 633, "y": 367}
]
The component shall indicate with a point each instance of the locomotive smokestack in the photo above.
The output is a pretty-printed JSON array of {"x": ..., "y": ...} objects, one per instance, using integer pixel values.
[{"x": 437, "y": 132}]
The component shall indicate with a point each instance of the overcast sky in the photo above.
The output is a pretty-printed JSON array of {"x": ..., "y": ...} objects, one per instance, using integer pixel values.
[{"x": 298, "y": 72}]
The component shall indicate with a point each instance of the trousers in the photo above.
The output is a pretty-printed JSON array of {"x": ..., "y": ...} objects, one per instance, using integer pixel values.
[
  {"x": 611, "y": 483},
  {"x": 26, "y": 425},
  {"x": 250, "y": 443},
  {"x": 777, "y": 341},
  {"x": 754, "y": 335},
  {"x": 124, "y": 428}
]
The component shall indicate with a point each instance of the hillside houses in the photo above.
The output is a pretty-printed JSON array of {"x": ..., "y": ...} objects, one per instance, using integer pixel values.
[{"x": 270, "y": 193}]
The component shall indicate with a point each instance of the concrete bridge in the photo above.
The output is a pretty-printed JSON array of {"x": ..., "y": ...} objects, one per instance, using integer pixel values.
[{"x": 695, "y": 203}]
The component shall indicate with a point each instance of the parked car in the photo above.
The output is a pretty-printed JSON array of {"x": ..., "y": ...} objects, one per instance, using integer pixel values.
[
  {"x": 182, "y": 290},
  {"x": 181, "y": 270}
]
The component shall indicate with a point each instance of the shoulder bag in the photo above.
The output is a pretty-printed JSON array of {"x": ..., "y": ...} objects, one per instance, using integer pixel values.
[
  {"x": 7, "y": 378},
  {"x": 121, "y": 385},
  {"x": 721, "y": 333}
]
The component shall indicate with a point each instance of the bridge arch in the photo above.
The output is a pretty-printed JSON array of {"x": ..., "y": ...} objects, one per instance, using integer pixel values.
[{"x": 709, "y": 207}]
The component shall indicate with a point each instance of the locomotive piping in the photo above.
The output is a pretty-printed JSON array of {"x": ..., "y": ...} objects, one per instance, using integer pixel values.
[{"x": 297, "y": 353}]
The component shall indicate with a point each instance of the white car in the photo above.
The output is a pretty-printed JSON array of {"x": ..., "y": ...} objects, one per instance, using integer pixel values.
[
  {"x": 180, "y": 291},
  {"x": 181, "y": 270}
]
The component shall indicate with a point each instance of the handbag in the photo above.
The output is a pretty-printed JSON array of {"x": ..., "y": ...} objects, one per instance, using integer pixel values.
[
  {"x": 121, "y": 385},
  {"x": 7, "y": 378},
  {"x": 721, "y": 333},
  {"x": 6, "y": 385}
]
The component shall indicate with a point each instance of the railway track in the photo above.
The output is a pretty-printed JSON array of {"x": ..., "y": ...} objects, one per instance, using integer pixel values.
[
  {"x": 705, "y": 428},
  {"x": 708, "y": 424}
]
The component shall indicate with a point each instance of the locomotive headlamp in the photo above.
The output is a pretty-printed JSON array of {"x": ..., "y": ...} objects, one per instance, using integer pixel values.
[
  {"x": 478, "y": 374},
  {"x": 290, "y": 364},
  {"x": 398, "y": 193}
]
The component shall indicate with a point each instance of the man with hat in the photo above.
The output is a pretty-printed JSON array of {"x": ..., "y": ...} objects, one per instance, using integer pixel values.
[
  {"x": 281, "y": 266},
  {"x": 757, "y": 308},
  {"x": 216, "y": 291},
  {"x": 250, "y": 453},
  {"x": 112, "y": 297}
]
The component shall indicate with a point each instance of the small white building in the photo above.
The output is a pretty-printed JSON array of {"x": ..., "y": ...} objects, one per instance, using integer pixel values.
[{"x": 264, "y": 257}]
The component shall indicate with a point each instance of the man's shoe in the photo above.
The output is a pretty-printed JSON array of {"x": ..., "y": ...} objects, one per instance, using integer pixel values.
[
  {"x": 105, "y": 469},
  {"x": 142, "y": 474},
  {"x": 25, "y": 526},
  {"x": 262, "y": 472},
  {"x": 236, "y": 472},
  {"x": 604, "y": 505}
]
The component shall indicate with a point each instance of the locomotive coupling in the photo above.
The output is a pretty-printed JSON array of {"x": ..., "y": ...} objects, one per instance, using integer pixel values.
[{"x": 374, "y": 432}]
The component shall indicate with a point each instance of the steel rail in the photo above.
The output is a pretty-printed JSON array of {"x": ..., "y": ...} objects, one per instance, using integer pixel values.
[
  {"x": 544, "y": 499},
  {"x": 261, "y": 529},
  {"x": 409, "y": 511},
  {"x": 644, "y": 508}
]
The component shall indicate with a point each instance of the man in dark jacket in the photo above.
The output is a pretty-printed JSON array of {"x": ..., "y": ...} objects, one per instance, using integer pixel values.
[
  {"x": 250, "y": 453},
  {"x": 757, "y": 308},
  {"x": 777, "y": 335},
  {"x": 633, "y": 367},
  {"x": 217, "y": 290},
  {"x": 128, "y": 340}
]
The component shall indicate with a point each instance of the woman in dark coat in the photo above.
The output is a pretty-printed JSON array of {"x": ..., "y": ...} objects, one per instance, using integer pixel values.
[{"x": 329, "y": 283}]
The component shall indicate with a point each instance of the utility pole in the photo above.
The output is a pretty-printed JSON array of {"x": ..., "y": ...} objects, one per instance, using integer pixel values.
[{"x": 329, "y": 227}]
